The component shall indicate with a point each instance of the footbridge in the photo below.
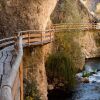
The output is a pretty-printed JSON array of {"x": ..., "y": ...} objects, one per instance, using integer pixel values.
[{"x": 11, "y": 53}]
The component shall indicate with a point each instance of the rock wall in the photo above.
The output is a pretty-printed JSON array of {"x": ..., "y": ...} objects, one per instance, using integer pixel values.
[
  {"x": 89, "y": 41},
  {"x": 74, "y": 12},
  {"x": 34, "y": 68},
  {"x": 18, "y": 15}
]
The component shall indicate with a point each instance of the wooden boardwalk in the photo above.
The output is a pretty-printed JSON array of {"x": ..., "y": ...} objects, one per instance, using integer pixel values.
[{"x": 11, "y": 52}]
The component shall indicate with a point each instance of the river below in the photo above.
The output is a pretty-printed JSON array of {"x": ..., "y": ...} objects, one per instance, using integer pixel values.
[{"x": 82, "y": 91}]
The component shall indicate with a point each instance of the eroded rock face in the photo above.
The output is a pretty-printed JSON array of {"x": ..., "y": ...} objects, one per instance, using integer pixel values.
[
  {"x": 88, "y": 45},
  {"x": 18, "y": 15},
  {"x": 91, "y": 4}
]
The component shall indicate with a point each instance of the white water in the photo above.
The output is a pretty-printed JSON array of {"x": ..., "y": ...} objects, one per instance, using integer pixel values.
[{"x": 89, "y": 67}]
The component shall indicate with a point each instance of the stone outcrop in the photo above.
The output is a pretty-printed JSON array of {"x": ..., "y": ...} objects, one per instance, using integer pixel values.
[
  {"x": 89, "y": 41},
  {"x": 88, "y": 45}
]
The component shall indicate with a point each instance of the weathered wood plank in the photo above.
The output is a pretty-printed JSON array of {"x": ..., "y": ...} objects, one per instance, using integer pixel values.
[
  {"x": 1, "y": 54},
  {"x": 21, "y": 81},
  {"x": 15, "y": 86},
  {"x": 3, "y": 57},
  {"x": 6, "y": 44},
  {"x": 36, "y": 35},
  {"x": 9, "y": 58},
  {"x": 7, "y": 39},
  {"x": 7, "y": 68},
  {"x": 1, "y": 68},
  {"x": 8, "y": 80},
  {"x": 6, "y": 94},
  {"x": 32, "y": 40},
  {"x": 32, "y": 35}
]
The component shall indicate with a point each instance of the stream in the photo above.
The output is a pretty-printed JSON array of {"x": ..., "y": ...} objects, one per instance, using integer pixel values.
[{"x": 82, "y": 91}]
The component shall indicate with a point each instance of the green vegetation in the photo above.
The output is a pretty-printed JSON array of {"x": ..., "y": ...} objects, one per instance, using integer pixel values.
[
  {"x": 31, "y": 92},
  {"x": 60, "y": 66},
  {"x": 86, "y": 74},
  {"x": 67, "y": 57}
]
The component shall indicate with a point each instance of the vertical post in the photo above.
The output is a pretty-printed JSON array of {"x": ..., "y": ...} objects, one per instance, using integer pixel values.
[
  {"x": 29, "y": 39},
  {"x": 21, "y": 81},
  {"x": 41, "y": 37},
  {"x": 50, "y": 36},
  {"x": 26, "y": 71}
]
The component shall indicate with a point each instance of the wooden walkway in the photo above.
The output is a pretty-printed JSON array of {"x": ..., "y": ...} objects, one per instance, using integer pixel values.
[{"x": 11, "y": 52}]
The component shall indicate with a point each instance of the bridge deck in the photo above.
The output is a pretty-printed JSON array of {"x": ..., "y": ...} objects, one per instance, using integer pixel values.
[{"x": 7, "y": 58}]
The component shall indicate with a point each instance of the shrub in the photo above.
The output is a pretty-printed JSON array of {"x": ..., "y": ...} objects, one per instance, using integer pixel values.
[
  {"x": 31, "y": 92},
  {"x": 60, "y": 66}
]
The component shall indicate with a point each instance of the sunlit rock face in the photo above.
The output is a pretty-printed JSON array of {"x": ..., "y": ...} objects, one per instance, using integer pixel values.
[
  {"x": 93, "y": 6},
  {"x": 89, "y": 46},
  {"x": 18, "y": 15}
]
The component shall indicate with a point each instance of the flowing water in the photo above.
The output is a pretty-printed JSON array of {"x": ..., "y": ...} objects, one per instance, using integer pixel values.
[{"x": 83, "y": 91}]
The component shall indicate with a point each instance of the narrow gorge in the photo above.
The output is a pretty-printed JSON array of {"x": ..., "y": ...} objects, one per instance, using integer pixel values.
[{"x": 50, "y": 69}]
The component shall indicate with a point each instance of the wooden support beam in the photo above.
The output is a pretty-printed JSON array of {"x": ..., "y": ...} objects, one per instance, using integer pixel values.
[
  {"x": 42, "y": 37},
  {"x": 29, "y": 38},
  {"x": 50, "y": 36},
  {"x": 21, "y": 81}
]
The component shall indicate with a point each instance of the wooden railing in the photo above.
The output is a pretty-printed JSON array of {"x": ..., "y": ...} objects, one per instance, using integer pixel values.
[
  {"x": 35, "y": 37},
  {"x": 76, "y": 26},
  {"x": 14, "y": 80}
]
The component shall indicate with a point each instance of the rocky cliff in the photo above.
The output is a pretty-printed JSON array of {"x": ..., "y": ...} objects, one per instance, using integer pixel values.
[
  {"x": 74, "y": 12},
  {"x": 89, "y": 42},
  {"x": 18, "y": 15}
]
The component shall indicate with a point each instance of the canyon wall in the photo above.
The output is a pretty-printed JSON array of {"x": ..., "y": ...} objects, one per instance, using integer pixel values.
[
  {"x": 19, "y": 15},
  {"x": 89, "y": 41},
  {"x": 74, "y": 12}
]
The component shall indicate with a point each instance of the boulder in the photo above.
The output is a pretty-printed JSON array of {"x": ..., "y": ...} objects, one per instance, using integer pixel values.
[{"x": 85, "y": 80}]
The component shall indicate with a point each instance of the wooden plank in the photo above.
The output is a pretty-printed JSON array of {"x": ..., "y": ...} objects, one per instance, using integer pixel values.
[
  {"x": 28, "y": 39},
  {"x": 14, "y": 55},
  {"x": 35, "y": 40},
  {"x": 6, "y": 93},
  {"x": 9, "y": 53},
  {"x": 4, "y": 53},
  {"x": 3, "y": 57},
  {"x": 7, "y": 68},
  {"x": 1, "y": 68},
  {"x": 9, "y": 58},
  {"x": 36, "y": 35},
  {"x": 32, "y": 40},
  {"x": 9, "y": 48},
  {"x": 15, "y": 86},
  {"x": 8, "y": 81},
  {"x": 5, "y": 44},
  {"x": 21, "y": 81},
  {"x": 7, "y": 39},
  {"x": 0, "y": 93},
  {"x": 18, "y": 95},
  {"x": 1, "y": 54}
]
